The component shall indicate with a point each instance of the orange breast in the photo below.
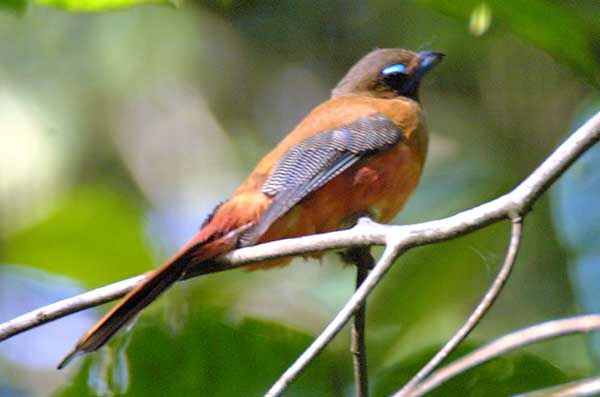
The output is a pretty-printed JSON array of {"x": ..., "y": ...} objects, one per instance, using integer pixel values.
[{"x": 377, "y": 186}]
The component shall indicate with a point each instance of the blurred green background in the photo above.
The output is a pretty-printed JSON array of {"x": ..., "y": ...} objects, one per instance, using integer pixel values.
[{"x": 121, "y": 129}]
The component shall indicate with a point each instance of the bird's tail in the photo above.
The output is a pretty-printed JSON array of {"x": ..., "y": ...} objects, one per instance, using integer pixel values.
[{"x": 146, "y": 292}]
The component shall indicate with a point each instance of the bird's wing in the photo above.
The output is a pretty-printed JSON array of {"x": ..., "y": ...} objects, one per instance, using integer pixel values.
[{"x": 318, "y": 159}]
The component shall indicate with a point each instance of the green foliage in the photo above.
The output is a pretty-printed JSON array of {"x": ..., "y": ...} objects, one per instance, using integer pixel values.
[
  {"x": 101, "y": 5},
  {"x": 430, "y": 291},
  {"x": 504, "y": 376},
  {"x": 16, "y": 6},
  {"x": 213, "y": 356},
  {"x": 494, "y": 112},
  {"x": 552, "y": 27},
  {"x": 95, "y": 237},
  {"x": 577, "y": 217}
]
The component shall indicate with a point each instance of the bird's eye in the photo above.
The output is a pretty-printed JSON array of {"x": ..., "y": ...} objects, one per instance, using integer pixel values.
[
  {"x": 396, "y": 77},
  {"x": 395, "y": 69}
]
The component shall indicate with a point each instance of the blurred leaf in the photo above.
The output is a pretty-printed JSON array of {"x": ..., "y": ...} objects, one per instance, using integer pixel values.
[
  {"x": 577, "y": 216},
  {"x": 585, "y": 277},
  {"x": 503, "y": 376},
  {"x": 432, "y": 285},
  {"x": 551, "y": 26},
  {"x": 17, "y": 6},
  {"x": 23, "y": 289},
  {"x": 575, "y": 199},
  {"x": 480, "y": 20},
  {"x": 95, "y": 237},
  {"x": 8, "y": 391},
  {"x": 212, "y": 356},
  {"x": 101, "y": 5}
]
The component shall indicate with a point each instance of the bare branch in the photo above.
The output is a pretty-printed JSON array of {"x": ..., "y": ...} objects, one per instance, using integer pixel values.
[
  {"x": 475, "y": 317},
  {"x": 67, "y": 306},
  {"x": 365, "y": 234},
  {"x": 512, "y": 205},
  {"x": 384, "y": 263},
  {"x": 358, "y": 345},
  {"x": 504, "y": 344},
  {"x": 363, "y": 260},
  {"x": 580, "y": 388},
  {"x": 396, "y": 238}
]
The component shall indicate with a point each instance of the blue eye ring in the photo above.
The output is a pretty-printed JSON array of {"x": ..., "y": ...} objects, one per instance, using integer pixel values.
[{"x": 396, "y": 68}]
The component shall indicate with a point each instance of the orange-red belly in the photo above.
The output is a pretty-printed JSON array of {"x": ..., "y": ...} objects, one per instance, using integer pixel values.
[{"x": 378, "y": 187}]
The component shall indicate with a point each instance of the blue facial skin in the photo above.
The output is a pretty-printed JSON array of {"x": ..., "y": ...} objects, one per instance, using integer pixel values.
[
  {"x": 393, "y": 69},
  {"x": 398, "y": 78}
]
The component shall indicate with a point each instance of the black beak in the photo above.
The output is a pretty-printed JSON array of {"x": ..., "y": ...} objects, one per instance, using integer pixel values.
[{"x": 427, "y": 61}]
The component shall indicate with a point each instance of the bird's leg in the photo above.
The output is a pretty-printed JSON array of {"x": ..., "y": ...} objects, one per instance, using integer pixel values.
[{"x": 362, "y": 259}]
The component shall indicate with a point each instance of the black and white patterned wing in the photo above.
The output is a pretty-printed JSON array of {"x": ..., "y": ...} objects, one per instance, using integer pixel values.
[{"x": 318, "y": 159}]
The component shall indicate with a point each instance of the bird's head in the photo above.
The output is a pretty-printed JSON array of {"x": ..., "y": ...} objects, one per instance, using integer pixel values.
[{"x": 388, "y": 73}]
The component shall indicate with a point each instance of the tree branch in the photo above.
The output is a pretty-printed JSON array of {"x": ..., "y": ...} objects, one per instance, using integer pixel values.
[
  {"x": 397, "y": 239},
  {"x": 358, "y": 346},
  {"x": 363, "y": 260},
  {"x": 504, "y": 344},
  {"x": 475, "y": 317},
  {"x": 580, "y": 388},
  {"x": 401, "y": 238},
  {"x": 67, "y": 306},
  {"x": 384, "y": 263}
]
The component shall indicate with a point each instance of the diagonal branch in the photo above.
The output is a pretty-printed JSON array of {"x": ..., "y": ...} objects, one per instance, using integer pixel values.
[
  {"x": 374, "y": 234},
  {"x": 512, "y": 205},
  {"x": 482, "y": 308},
  {"x": 385, "y": 262},
  {"x": 512, "y": 341},
  {"x": 64, "y": 307},
  {"x": 396, "y": 238},
  {"x": 579, "y": 388}
]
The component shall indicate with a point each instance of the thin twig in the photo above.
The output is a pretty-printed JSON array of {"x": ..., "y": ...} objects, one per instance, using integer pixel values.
[
  {"x": 512, "y": 205},
  {"x": 358, "y": 345},
  {"x": 396, "y": 238},
  {"x": 504, "y": 344},
  {"x": 382, "y": 266},
  {"x": 67, "y": 306},
  {"x": 363, "y": 234},
  {"x": 370, "y": 234},
  {"x": 477, "y": 314},
  {"x": 361, "y": 256},
  {"x": 579, "y": 388}
]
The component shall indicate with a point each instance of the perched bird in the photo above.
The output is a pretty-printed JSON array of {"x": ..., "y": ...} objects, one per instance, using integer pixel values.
[{"x": 359, "y": 153}]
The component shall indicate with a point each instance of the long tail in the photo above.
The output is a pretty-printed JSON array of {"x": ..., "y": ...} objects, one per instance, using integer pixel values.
[{"x": 141, "y": 296}]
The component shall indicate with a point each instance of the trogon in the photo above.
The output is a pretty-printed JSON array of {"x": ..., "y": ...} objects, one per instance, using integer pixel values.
[{"x": 359, "y": 153}]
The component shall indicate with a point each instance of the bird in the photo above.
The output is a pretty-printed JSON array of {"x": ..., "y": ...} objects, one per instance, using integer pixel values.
[{"x": 361, "y": 152}]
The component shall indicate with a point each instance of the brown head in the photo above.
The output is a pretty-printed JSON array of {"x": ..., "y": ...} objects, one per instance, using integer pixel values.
[{"x": 388, "y": 73}]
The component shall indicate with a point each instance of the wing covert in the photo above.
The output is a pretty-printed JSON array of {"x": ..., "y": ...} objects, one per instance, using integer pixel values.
[{"x": 316, "y": 160}]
